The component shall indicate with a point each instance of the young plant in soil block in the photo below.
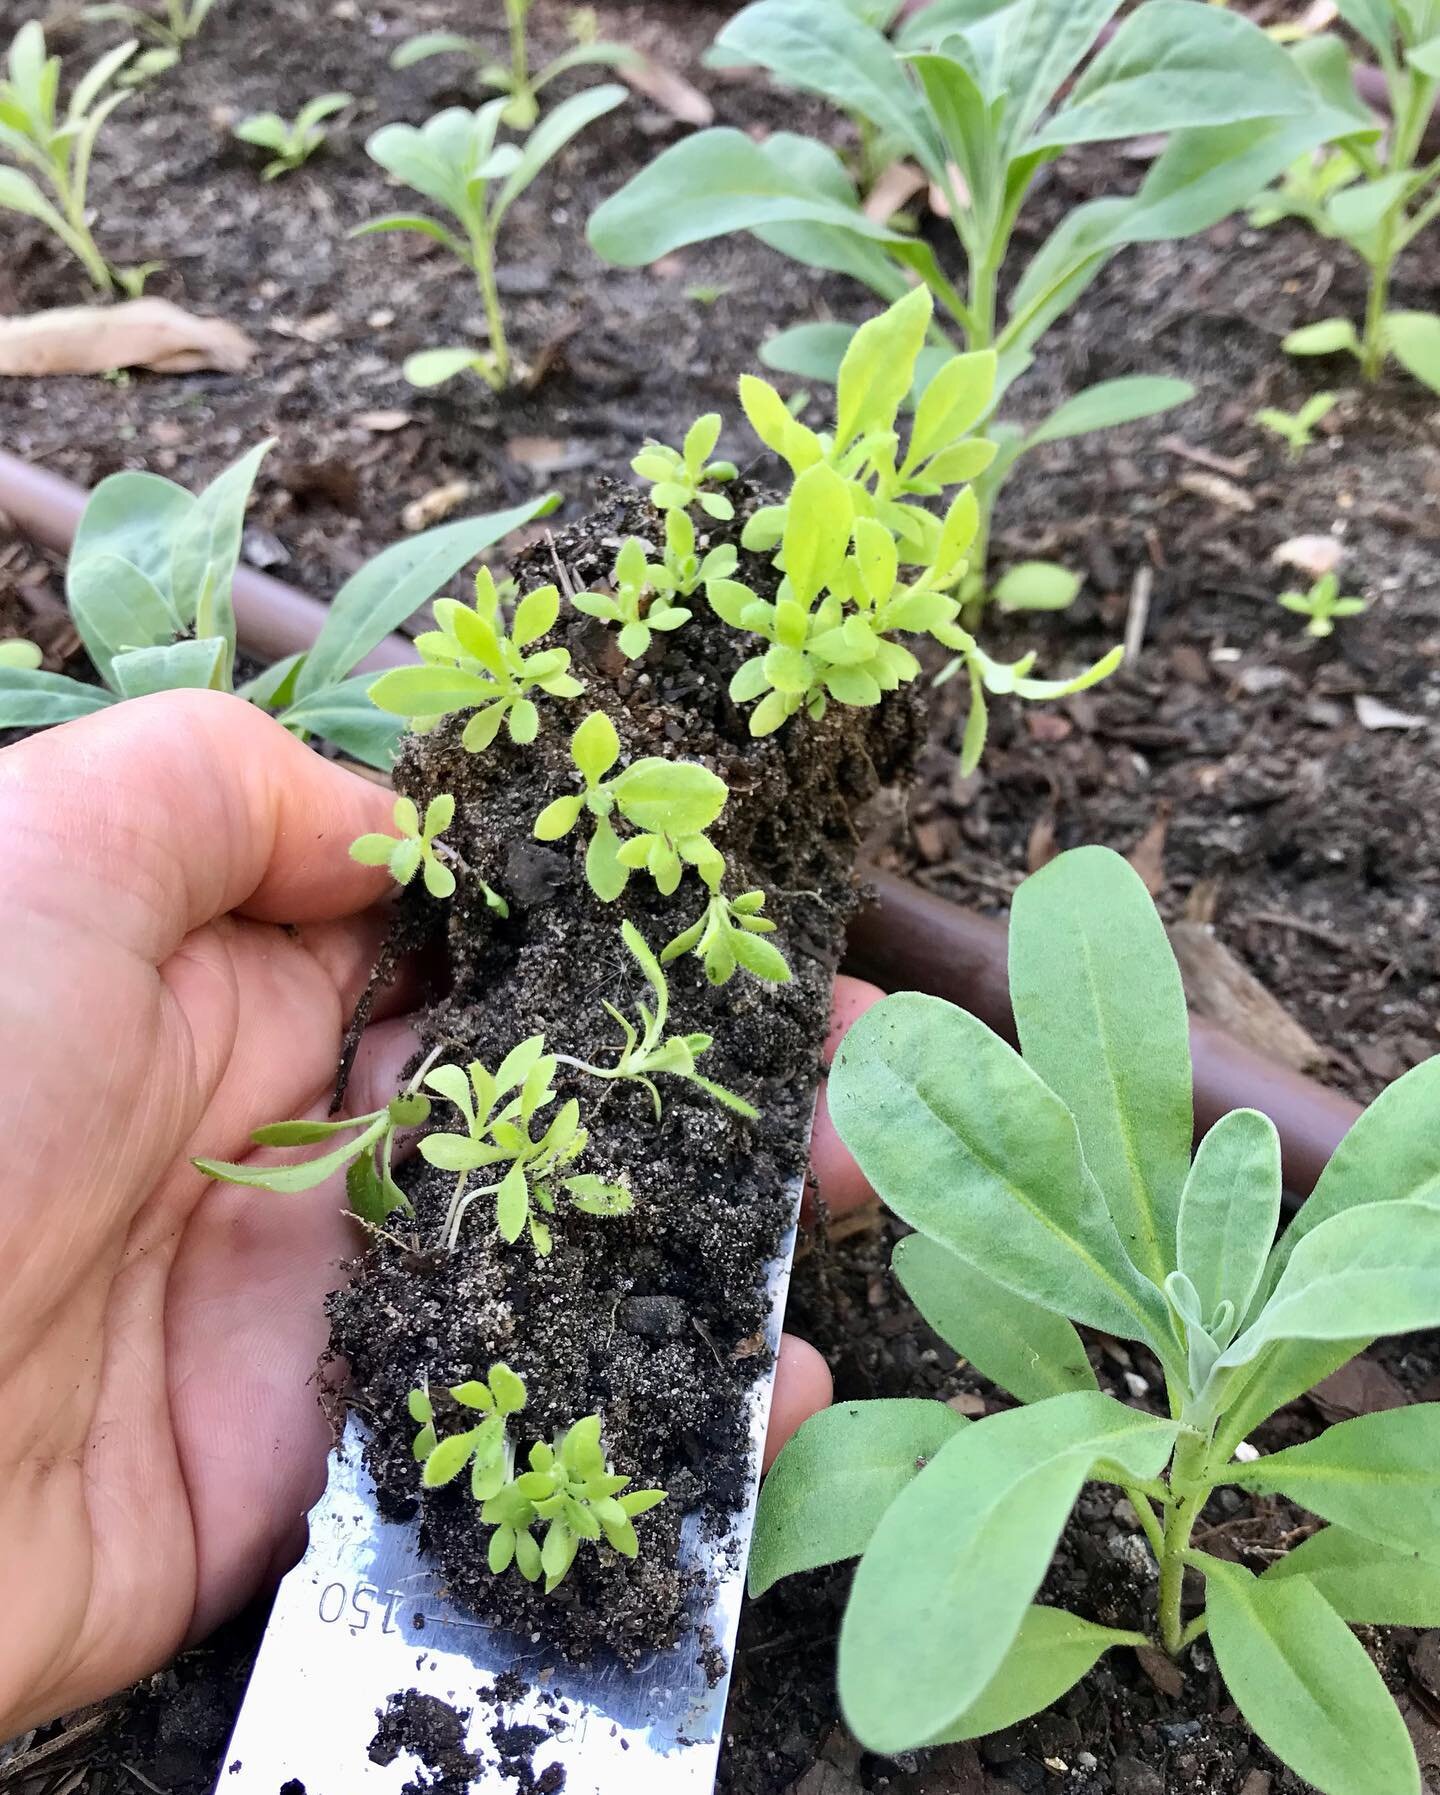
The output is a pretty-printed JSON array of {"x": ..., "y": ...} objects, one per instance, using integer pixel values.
[
  {"x": 149, "y": 583},
  {"x": 178, "y": 24},
  {"x": 54, "y": 148},
  {"x": 1371, "y": 189},
  {"x": 1058, "y": 1188},
  {"x": 521, "y": 88},
  {"x": 982, "y": 110},
  {"x": 456, "y": 161},
  {"x": 601, "y": 1218}
]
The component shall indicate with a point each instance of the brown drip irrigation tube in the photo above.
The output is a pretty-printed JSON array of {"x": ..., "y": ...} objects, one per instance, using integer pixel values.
[{"x": 905, "y": 939}]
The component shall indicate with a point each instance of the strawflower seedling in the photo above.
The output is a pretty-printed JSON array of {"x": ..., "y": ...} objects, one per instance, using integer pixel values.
[
  {"x": 414, "y": 848},
  {"x": 1373, "y": 191},
  {"x": 54, "y": 149},
  {"x": 498, "y": 1112},
  {"x": 649, "y": 1051},
  {"x": 729, "y": 934},
  {"x": 150, "y": 580},
  {"x": 1322, "y": 604},
  {"x": 485, "y": 1448},
  {"x": 571, "y": 1488},
  {"x": 1059, "y": 1188},
  {"x": 292, "y": 143},
  {"x": 670, "y": 803},
  {"x": 472, "y": 663},
  {"x": 683, "y": 569},
  {"x": 366, "y": 1152},
  {"x": 455, "y": 161},
  {"x": 680, "y": 478},
  {"x": 1297, "y": 429},
  {"x": 177, "y": 25},
  {"x": 640, "y": 602},
  {"x": 852, "y": 522},
  {"x": 521, "y": 88},
  {"x": 982, "y": 96}
]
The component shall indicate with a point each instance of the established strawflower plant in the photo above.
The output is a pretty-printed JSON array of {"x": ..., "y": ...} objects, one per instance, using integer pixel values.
[
  {"x": 485, "y": 1448},
  {"x": 572, "y": 1489},
  {"x": 1322, "y": 604},
  {"x": 472, "y": 663},
  {"x": 291, "y": 142},
  {"x": 982, "y": 96},
  {"x": 455, "y": 161},
  {"x": 54, "y": 148},
  {"x": 648, "y": 1051},
  {"x": 414, "y": 847},
  {"x": 149, "y": 584},
  {"x": 1372, "y": 191},
  {"x": 1059, "y": 1188},
  {"x": 680, "y": 478},
  {"x": 499, "y": 1112},
  {"x": 521, "y": 88}
]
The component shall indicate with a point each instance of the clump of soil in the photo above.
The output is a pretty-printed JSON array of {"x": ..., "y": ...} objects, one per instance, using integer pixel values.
[
  {"x": 435, "y": 1733},
  {"x": 655, "y": 1319}
]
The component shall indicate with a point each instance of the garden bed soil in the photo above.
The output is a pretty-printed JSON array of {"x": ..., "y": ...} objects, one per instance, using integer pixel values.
[
  {"x": 1231, "y": 749},
  {"x": 655, "y": 1319}
]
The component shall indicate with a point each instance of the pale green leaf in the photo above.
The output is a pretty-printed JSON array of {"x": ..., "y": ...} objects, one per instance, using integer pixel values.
[
  {"x": 33, "y": 700},
  {"x": 965, "y": 1142},
  {"x": 1229, "y": 1211},
  {"x": 1306, "y": 1684},
  {"x": 926, "y": 1630},
  {"x": 829, "y": 1488},
  {"x": 1029, "y": 1351},
  {"x": 1413, "y": 338},
  {"x": 1037, "y": 586},
  {"x": 1110, "y": 403},
  {"x": 1102, "y": 1020},
  {"x": 1052, "y": 1651},
  {"x": 1365, "y": 1583}
]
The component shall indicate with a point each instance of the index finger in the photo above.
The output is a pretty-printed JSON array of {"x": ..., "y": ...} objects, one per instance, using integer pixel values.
[{"x": 149, "y": 819}]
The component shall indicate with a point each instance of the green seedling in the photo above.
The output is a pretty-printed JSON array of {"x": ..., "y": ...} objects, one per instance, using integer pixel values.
[
  {"x": 291, "y": 144},
  {"x": 521, "y": 106},
  {"x": 983, "y": 96},
  {"x": 683, "y": 569},
  {"x": 1297, "y": 429},
  {"x": 365, "y": 1153},
  {"x": 470, "y": 663},
  {"x": 499, "y": 1112},
  {"x": 640, "y": 601},
  {"x": 730, "y": 933},
  {"x": 54, "y": 148},
  {"x": 1372, "y": 191},
  {"x": 648, "y": 1051},
  {"x": 853, "y": 520},
  {"x": 670, "y": 803},
  {"x": 484, "y": 1448},
  {"x": 1059, "y": 1188},
  {"x": 455, "y": 161},
  {"x": 177, "y": 25},
  {"x": 415, "y": 847},
  {"x": 150, "y": 586},
  {"x": 682, "y": 477},
  {"x": 990, "y": 678},
  {"x": 571, "y": 1488},
  {"x": 1322, "y": 604}
]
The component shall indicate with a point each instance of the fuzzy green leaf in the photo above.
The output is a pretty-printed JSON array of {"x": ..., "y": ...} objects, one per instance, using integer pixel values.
[
  {"x": 1365, "y": 1583},
  {"x": 1029, "y": 1351},
  {"x": 1052, "y": 1651},
  {"x": 1306, "y": 1684},
  {"x": 926, "y": 1631},
  {"x": 829, "y": 1488}
]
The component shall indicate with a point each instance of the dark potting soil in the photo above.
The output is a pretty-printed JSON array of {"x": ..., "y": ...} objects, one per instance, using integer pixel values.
[{"x": 654, "y": 1319}]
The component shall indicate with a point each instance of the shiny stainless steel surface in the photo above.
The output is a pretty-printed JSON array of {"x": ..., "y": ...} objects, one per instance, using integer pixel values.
[{"x": 362, "y": 1617}]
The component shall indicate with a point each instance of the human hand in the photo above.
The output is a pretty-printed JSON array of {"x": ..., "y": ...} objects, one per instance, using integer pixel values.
[{"x": 184, "y": 938}]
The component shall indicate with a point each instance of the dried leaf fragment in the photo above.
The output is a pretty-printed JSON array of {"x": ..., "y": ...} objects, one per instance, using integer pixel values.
[{"x": 140, "y": 333}]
